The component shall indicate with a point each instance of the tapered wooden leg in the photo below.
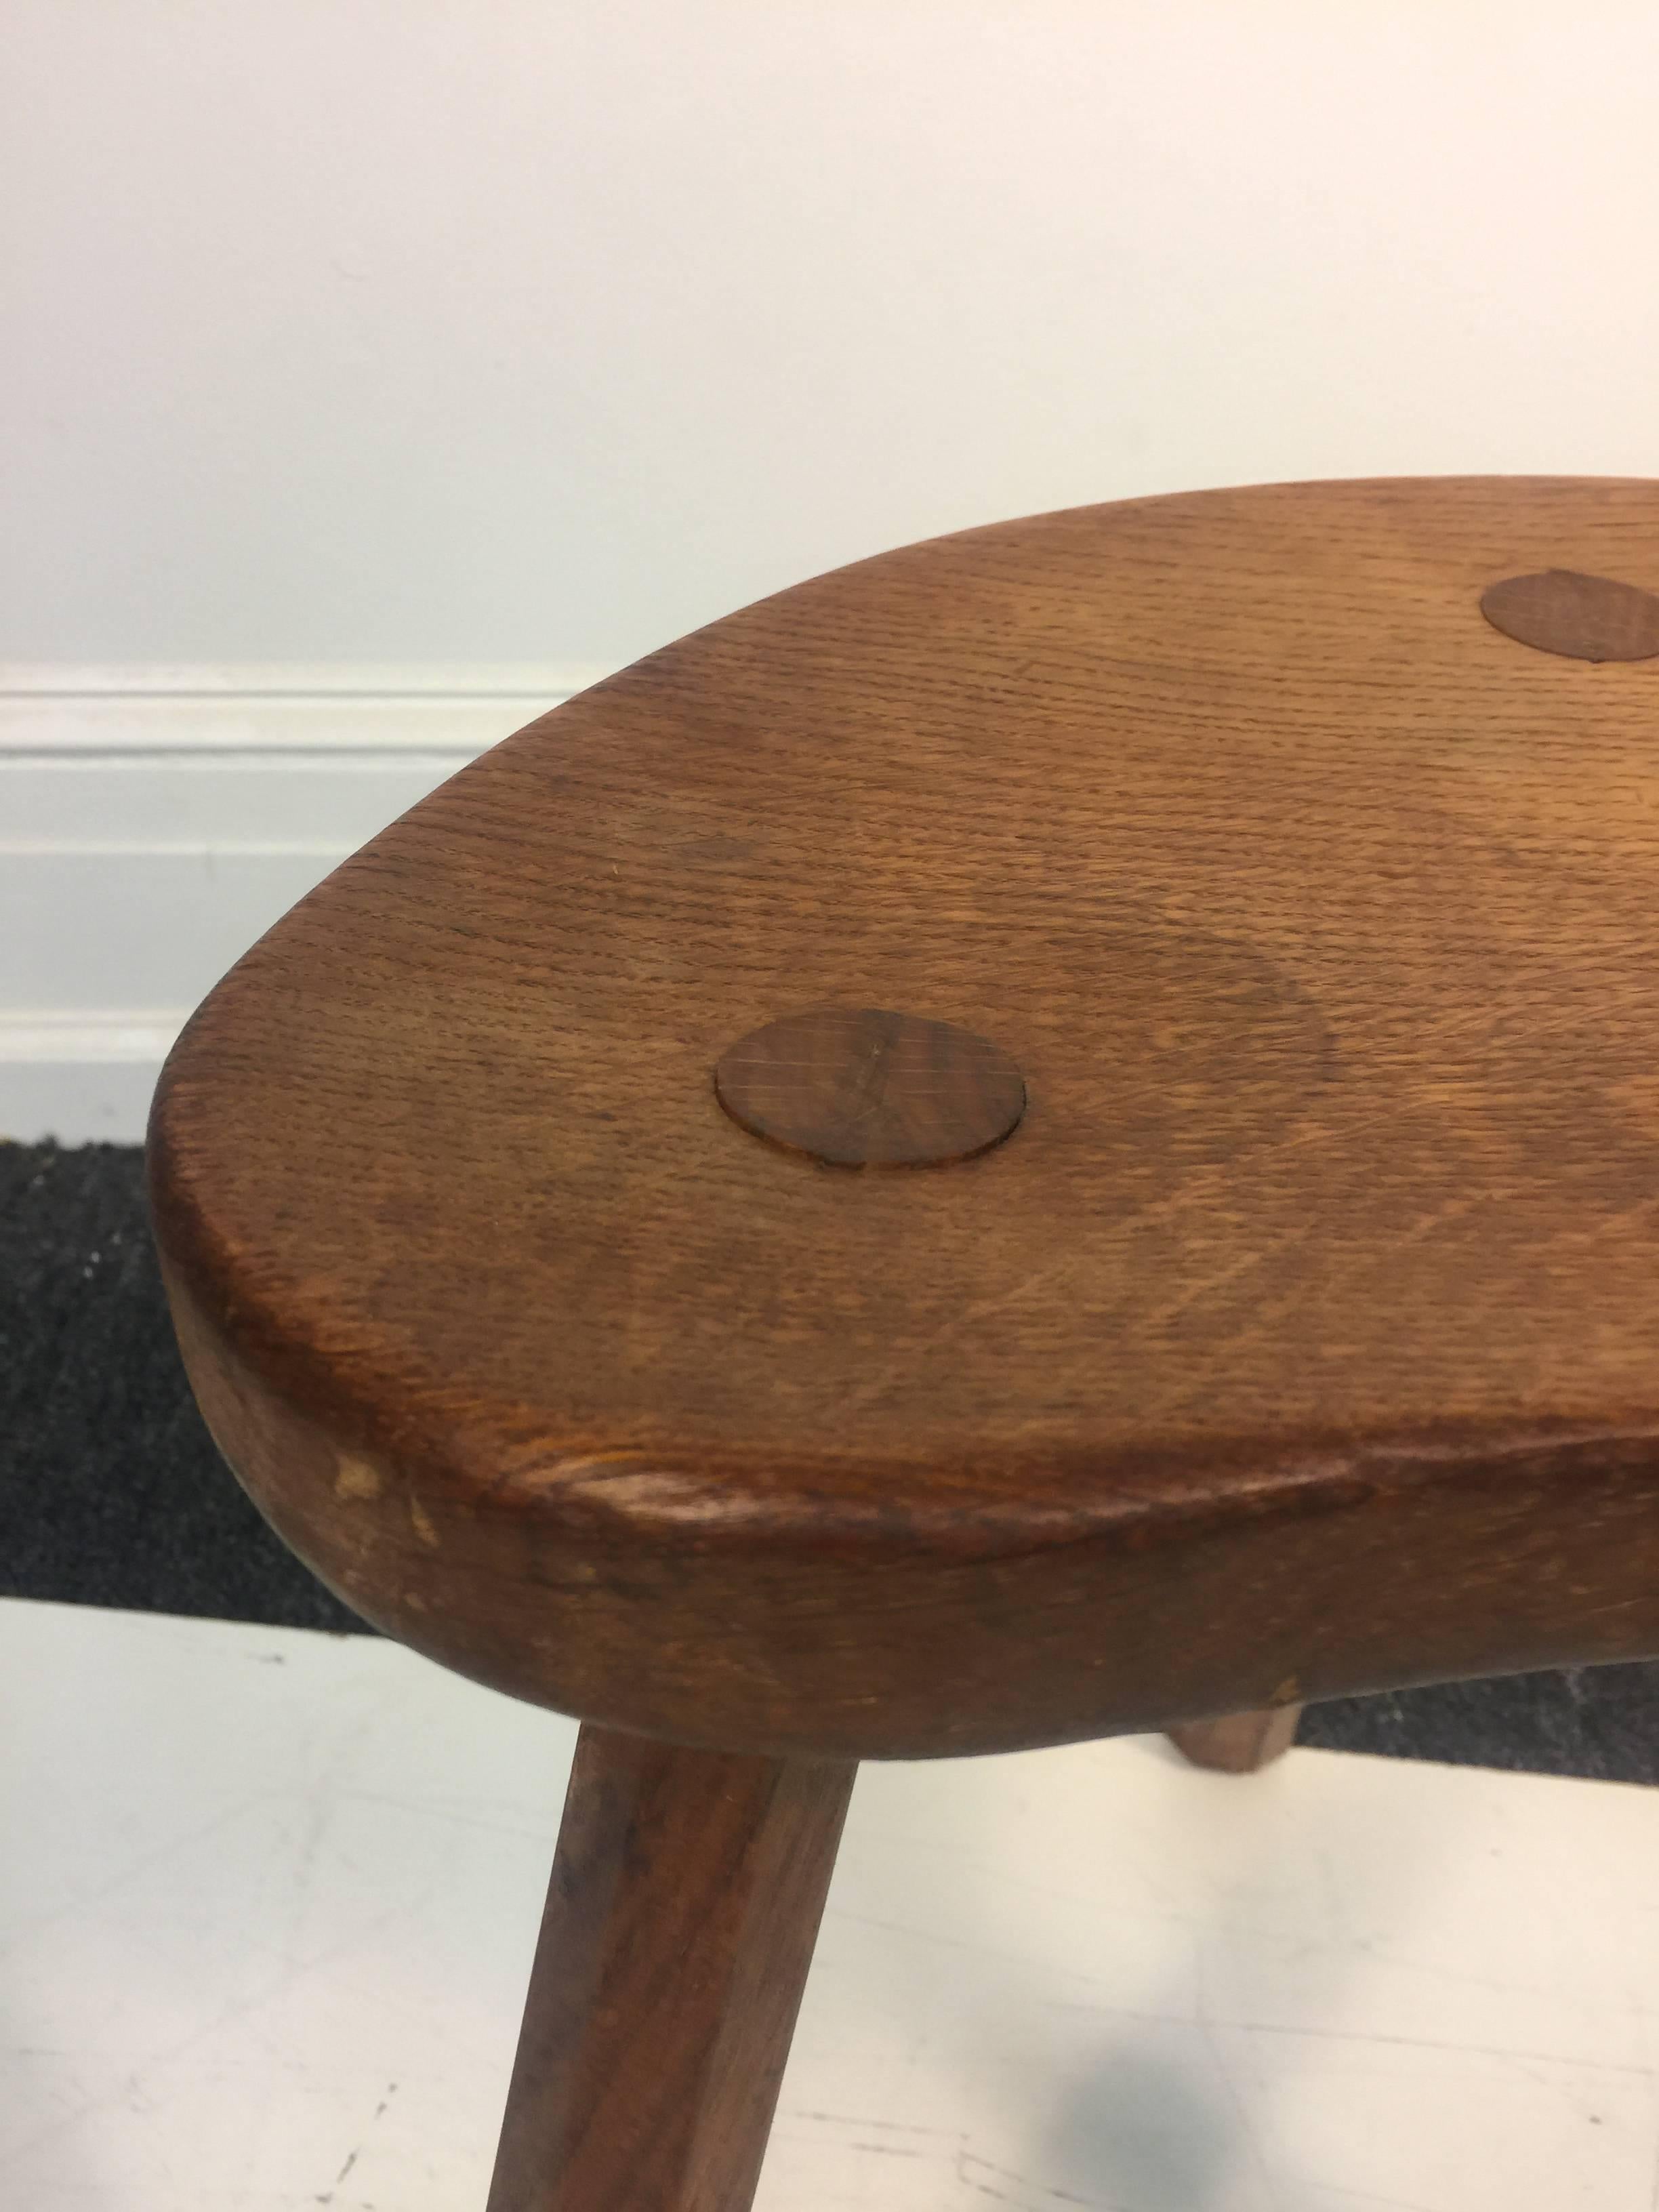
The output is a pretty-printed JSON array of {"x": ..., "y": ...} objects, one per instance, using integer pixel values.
[
  {"x": 1240, "y": 1743},
  {"x": 686, "y": 1893}
]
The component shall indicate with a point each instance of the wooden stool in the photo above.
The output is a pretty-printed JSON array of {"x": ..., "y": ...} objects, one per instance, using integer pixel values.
[{"x": 1055, "y": 1132}]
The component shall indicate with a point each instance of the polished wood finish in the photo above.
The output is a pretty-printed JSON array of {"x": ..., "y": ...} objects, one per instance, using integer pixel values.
[
  {"x": 1302, "y": 1334},
  {"x": 684, "y": 1901},
  {"x": 1242, "y": 1743},
  {"x": 859, "y": 1087},
  {"x": 1587, "y": 617}
]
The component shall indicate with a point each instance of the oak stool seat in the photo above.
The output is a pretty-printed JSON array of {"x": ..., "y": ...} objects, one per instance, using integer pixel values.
[{"x": 1054, "y": 1133}]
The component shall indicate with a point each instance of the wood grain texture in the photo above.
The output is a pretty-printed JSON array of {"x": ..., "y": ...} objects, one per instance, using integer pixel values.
[
  {"x": 684, "y": 1903},
  {"x": 862, "y": 1087},
  {"x": 1241, "y": 1743},
  {"x": 1305, "y": 1328},
  {"x": 1587, "y": 617}
]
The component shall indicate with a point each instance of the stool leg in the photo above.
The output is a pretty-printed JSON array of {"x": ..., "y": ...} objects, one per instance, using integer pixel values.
[
  {"x": 1241, "y": 1743},
  {"x": 686, "y": 1893}
]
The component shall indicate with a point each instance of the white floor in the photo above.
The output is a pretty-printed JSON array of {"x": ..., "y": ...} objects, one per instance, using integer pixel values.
[{"x": 267, "y": 1901}]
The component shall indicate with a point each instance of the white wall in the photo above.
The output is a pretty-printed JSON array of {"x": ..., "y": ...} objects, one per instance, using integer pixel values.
[
  {"x": 508, "y": 330},
  {"x": 478, "y": 331}
]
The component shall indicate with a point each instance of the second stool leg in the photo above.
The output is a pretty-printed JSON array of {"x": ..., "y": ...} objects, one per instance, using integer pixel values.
[
  {"x": 686, "y": 1894},
  {"x": 1241, "y": 1742}
]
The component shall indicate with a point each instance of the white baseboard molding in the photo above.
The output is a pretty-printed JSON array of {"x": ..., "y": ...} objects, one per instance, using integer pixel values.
[
  {"x": 50, "y": 712},
  {"x": 153, "y": 822},
  {"x": 81, "y": 1079}
]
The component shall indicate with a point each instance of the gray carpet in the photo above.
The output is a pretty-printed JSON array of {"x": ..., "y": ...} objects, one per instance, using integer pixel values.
[{"x": 112, "y": 1493}]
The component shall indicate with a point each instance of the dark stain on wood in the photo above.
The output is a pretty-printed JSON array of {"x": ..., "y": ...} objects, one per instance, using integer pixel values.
[
  {"x": 1585, "y": 618},
  {"x": 859, "y": 1087}
]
